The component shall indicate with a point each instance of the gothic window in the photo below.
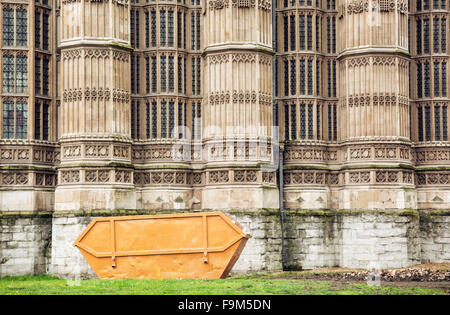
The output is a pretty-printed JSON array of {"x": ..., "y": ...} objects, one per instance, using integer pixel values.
[
  {"x": 426, "y": 78},
  {"x": 293, "y": 122},
  {"x": 45, "y": 76},
  {"x": 163, "y": 74},
  {"x": 37, "y": 75},
  {"x": 184, "y": 30},
  {"x": 318, "y": 33},
  {"x": 329, "y": 77},
  {"x": 419, "y": 36},
  {"x": 419, "y": 5},
  {"x": 45, "y": 31},
  {"x": 436, "y": 78},
  {"x": 285, "y": 34},
  {"x": 180, "y": 75},
  {"x": 426, "y": 36},
  {"x": 328, "y": 35},
  {"x": 179, "y": 22},
  {"x": 147, "y": 120},
  {"x": 138, "y": 74},
  {"x": 163, "y": 119},
  {"x": 435, "y": 35},
  {"x": 427, "y": 123},
  {"x": 437, "y": 122},
  {"x": 293, "y": 77},
  {"x": 154, "y": 83},
  {"x": 330, "y": 124},
  {"x": 45, "y": 120},
  {"x": 180, "y": 120},
  {"x": 192, "y": 31},
  {"x": 319, "y": 108},
  {"x": 292, "y": 32},
  {"x": 193, "y": 75},
  {"x": 132, "y": 26},
  {"x": 292, "y": 2},
  {"x": 8, "y": 26},
  {"x": 310, "y": 121},
  {"x": 196, "y": 120},
  {"x": 309, "y": 31},
  {"x": 419, "y": 80},
  {"x": 153, "y": 15},
  {"x": 37, "y": 121},
  {"x": 184, "y": 75},
  {"x": 154, "y": 121},
  {"x": 171, "y": 74},
  {"x": 302, "y": 77},
  {"x": 147, "y": 29},
  {"x": 286, "y": 122},
  {"x": 138, "y": 120},
  {"x": 276, "y": 77},
  {"x": 444, "y": 123},
  {"x": 420, "y": 123},
  {"x": 285, "y": 3},
  {"x": 198, "y": 31},
  {"x": 171, "y": 119},
  {"x": 37, "y": 29},
  {"x": 21, "y": 119},
  {"x": 133, "y": 122},
  {"x": 286, "y": 78},
  {"x": 334, "y": 78},
  {"x": 443, "y": 4},
  {"x": 8, "y": 120},
  {"x": 318, "y": 70},
  {"x": 198, "y": 76},
  {"x": 275, "y": 115},
  {"x": 310, "y": 77},
  {"x": 8, "y": 73},
  {"x": 162, "y": 27},
  {"x": 302, "y": 122},
  {"x": 199, "y": 116},
  {"x": 426, "y": 5},
  {"x": 22, "y": 74},
  {"x": 137, "y": 29},
  {"x": 302, "y": 31},
  {"x": 443, "y": 35},
  {"x": 170, "y": 28},
  {"x": 444, "y": 79},
  {"x": 335, "y": 122},
  {"x": 147, "y": 74},
  {"x": 334, "y": 34}
]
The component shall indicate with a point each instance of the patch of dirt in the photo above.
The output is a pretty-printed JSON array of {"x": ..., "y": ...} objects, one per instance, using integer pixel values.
[{"x": 432, "y": 276}]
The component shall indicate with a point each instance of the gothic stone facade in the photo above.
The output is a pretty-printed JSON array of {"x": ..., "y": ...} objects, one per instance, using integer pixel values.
[{"x": 115, "y": 107}]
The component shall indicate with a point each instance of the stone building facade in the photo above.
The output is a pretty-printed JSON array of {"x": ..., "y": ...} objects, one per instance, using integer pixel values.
[{"x": 116, "y": 107}]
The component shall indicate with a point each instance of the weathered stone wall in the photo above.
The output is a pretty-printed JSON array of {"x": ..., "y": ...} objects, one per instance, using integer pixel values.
[
  {"x": 24, "y": 243},
  {"x": 33, "y": 244},
  {"x": 435, "y": 236}
]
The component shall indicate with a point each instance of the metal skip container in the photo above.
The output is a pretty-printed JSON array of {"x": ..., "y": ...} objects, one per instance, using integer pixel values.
[{"x": 190, "y": 245}]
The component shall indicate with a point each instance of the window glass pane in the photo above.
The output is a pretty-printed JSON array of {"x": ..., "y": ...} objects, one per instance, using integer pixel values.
[
  {"x": 21, "y": 120},
  {"x": 8, "y": 120},
  {"x": 8, "y": 26},
  {"x": 22, "y": 74},
  {"x": 8, "y": 73},
  {"x": 22, "y": 27}
]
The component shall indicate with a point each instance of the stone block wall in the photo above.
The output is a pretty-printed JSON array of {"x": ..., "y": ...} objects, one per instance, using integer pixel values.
[
  {"x": 435, "y": 237},
  {"x": 24, "y": 243},
  {"x": 36, "y": 244}
]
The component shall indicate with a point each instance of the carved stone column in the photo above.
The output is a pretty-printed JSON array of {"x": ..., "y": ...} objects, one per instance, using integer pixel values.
[
  {"x": 95, "y": 170},
  {"x": 238, "y": 106},
  {"x": 374, "y": 105}
]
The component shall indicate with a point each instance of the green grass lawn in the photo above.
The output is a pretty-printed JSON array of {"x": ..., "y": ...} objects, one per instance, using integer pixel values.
[{"x": 44, "y": 285}]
